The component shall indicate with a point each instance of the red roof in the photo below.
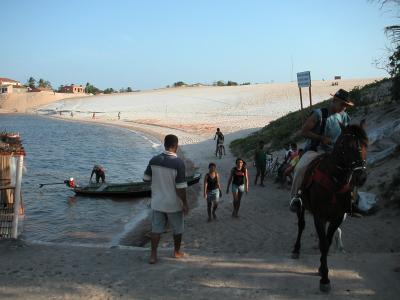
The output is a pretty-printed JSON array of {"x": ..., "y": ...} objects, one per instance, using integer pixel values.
[{"x": 7, "y": 79}]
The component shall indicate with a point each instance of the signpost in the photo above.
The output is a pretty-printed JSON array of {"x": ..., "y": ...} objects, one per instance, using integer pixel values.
[{"x": 304, "y": 80}]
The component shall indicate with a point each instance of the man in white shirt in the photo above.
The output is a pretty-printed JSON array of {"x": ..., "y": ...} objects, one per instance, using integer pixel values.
[{"x": 166, "y": 172}]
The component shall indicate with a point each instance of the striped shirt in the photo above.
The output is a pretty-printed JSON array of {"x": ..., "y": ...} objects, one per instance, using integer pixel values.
[{"x": 166, "y": 172}]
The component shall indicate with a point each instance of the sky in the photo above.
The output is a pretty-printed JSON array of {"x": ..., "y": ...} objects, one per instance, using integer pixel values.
[{"x": 151, "y": 44}]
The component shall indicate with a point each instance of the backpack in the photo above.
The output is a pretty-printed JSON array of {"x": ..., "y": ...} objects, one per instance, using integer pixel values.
[{"x": 314, "y": 144}]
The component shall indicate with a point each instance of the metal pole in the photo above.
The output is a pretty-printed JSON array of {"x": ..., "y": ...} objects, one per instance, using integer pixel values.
[
  {"x": 17, "y": 196},
  {"x": 301, "y": 99},
  {"x": 309, "y": 92}
]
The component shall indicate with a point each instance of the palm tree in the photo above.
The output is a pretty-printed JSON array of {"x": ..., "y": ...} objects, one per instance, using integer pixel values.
[{"x": 31, "y": 82}]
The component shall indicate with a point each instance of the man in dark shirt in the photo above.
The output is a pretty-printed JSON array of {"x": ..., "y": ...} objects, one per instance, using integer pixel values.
[
  {"x": 260, "y": 161},
  {"x": 220, "y": 141},
  {"x": 100, "y": 173}
]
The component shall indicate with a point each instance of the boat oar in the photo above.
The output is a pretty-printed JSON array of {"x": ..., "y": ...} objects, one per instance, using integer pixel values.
[{"x": 54, "y": 183}]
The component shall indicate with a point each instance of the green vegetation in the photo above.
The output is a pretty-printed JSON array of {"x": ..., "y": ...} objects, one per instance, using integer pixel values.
[
  {"x": 44, "y": 83},
  {"x": 285, "y": 130},
  {"x": 179, "y": 84},
  {"x": 222, "y": 83},
  {"x": 40, "y": 84},
  {"x": 91, "y": 89},
  {"x": 394, "y": 71},
  {"x": 108, "y": 91},
  {"x": 31, "y": 82}
]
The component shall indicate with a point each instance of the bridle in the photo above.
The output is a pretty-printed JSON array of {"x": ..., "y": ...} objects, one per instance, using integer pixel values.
[{"x": 357, "y": 164}]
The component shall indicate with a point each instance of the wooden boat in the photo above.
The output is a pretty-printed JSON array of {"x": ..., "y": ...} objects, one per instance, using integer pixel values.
[{"x": 130, "y": 189}]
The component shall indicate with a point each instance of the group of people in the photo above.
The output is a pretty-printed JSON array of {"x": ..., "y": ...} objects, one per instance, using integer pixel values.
[
  {"x": 212, "y": 189},
  {"x": 291, "y": 158},
  {"x": 166, "y": 171}
]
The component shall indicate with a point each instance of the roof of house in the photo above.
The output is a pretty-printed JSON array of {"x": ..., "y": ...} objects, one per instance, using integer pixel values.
[{"x": 7, "y": 79}]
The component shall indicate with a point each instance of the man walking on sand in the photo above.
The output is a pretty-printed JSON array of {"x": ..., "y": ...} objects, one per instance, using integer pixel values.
[
  {"x": 166, "y": 172},
  {"x": 260, "y": 162}
]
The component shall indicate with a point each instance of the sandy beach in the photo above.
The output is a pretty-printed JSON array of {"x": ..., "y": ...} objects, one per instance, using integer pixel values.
[{"x": 245, "y": 258}]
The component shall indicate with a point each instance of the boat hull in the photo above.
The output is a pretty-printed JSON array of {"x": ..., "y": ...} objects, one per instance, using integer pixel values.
[{"x": 134, "y": 189}]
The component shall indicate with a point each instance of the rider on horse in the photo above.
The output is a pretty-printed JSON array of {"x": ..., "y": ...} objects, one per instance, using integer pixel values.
[{"x": 321, "y": 129}]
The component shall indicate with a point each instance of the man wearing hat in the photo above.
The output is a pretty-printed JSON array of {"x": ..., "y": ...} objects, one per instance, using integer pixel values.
[{"x": 321, "y": 130}]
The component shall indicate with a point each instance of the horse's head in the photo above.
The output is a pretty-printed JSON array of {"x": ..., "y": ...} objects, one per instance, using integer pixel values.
[{"x": 350, "y": 153}]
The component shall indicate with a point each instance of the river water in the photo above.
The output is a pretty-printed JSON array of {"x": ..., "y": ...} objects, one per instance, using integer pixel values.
[{"x": 57, "y": 150}]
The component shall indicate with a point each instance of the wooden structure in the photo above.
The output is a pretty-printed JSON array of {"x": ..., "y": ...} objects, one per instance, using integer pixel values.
[{"x": 11, "y": 163}]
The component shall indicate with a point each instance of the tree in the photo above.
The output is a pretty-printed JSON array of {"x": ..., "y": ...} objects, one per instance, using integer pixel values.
[
  {"x": 393, "y": 67},
  {"x": 91, "y": 89},
  {"x": 108, "y": 91},
  {"x": 220, "y": 83},
  {"x": 31, "y": 82},
  {"x": 129, "y": 89},
  {"x": 231, "y": 83},
  {"x": 179, "y": 84},
  {"x": 41, "y": 83}
]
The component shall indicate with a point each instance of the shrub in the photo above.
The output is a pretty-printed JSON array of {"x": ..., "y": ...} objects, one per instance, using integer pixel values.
[{"x": 179, "y": 84}]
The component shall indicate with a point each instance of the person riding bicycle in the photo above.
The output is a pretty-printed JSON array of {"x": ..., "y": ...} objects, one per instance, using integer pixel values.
[{"x": 220, "y": 141}]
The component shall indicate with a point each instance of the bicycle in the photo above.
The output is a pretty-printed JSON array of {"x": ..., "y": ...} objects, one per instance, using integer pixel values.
[
  {"x": 219, "y": 150},
  {"x": 272, "y": 166}
]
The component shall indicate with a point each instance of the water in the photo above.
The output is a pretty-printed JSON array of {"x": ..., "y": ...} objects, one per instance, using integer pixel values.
[{"x": 57, "y": 150}]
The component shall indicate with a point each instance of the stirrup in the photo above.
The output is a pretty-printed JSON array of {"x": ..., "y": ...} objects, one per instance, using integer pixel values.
[{"x": 295, "y": 204}]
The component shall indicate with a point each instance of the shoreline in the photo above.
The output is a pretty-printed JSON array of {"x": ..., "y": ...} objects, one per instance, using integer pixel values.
[{"x": 138, "y": 236}]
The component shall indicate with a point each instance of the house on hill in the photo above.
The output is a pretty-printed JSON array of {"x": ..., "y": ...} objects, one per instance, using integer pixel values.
[
  {"x": 73, "y": 89},
  {"x": 9, "y": 86}
]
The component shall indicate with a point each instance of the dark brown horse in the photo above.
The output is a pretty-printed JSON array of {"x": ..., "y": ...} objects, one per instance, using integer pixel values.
[{"x": 327, "y": 191}]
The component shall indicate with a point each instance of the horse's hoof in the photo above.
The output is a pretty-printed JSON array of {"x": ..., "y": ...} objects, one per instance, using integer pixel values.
[
  {"x": 295, "y": 255},
  {"x": 325, "y": 287}
]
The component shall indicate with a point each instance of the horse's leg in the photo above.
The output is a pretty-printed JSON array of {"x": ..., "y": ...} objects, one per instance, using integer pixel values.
[
  {"x": 334, "y": 228},
  {"x": 300, "y": 227},
  {"x": 338, "y": 237},
  {"x": 338, "y": 240},
  {"x": 324, "y": 283}
]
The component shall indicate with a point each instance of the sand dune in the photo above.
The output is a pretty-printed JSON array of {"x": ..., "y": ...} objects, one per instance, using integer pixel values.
[{"x": 201, "y": 109}]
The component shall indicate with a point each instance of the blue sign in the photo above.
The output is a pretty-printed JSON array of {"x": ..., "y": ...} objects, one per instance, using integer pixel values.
[{"x": 304, "y": 79}]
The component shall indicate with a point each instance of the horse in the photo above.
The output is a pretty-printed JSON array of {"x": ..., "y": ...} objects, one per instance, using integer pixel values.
[{"x": 327, "y": 190}]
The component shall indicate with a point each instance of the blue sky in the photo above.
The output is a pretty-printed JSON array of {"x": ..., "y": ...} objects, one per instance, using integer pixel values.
[{"x": 149, "y": 44}]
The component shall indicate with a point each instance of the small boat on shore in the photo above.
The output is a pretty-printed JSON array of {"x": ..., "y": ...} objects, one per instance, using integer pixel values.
[{"x": 130, "y": 189}]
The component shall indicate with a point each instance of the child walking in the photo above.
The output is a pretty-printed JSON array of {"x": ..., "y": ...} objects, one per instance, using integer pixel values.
[{"x": 212, "y": 190}]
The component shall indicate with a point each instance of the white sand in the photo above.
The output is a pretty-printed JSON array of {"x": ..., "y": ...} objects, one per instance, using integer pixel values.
[{"x": 201, "y": 109}]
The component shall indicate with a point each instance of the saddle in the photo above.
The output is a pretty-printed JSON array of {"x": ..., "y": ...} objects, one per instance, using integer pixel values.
[{"x": 314, "y": 174}]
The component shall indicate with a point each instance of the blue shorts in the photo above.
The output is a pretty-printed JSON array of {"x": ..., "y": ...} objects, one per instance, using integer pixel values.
[
  {"x": 237, "y": 188},
  {"x": 159, "y": 221},
  {"x": 213, "y": 196}
]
